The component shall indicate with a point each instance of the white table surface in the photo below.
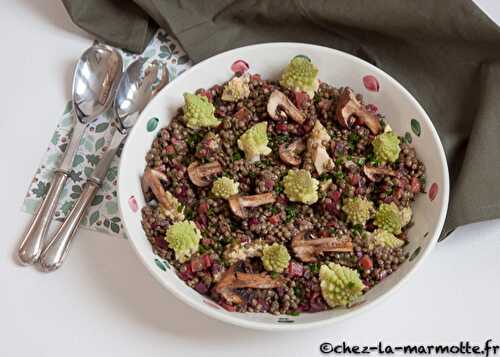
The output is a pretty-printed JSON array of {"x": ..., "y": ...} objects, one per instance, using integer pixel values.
[{"x": 102, "y": 302}]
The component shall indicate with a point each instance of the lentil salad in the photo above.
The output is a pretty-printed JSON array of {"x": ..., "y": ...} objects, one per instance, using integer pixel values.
[{"x": 315, "y": 204}]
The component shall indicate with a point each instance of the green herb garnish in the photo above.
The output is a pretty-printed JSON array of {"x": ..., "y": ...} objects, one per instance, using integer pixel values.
[{"x": 291, "y": 213}]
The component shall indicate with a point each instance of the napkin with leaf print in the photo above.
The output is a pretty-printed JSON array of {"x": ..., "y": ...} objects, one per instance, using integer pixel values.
[{"x": 103, "y": 214}]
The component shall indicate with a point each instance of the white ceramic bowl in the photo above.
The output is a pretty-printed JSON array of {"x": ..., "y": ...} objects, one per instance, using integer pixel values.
[{"x": 402, "y": 112}]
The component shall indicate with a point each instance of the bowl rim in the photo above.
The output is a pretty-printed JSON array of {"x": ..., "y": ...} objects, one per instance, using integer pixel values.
[{"x": 233, "y": 317}]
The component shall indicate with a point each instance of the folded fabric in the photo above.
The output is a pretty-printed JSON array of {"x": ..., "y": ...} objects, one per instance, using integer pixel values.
[{"x": 446, "y": 53}]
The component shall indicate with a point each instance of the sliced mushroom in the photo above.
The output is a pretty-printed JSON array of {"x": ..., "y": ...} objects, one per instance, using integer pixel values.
[
  {"x": 232, "y": 280},
  {"x": 151, "y": 180},
  {"x": 239, "y": 203},
  {"x": 201, "y": 175},
  {"x": 376, "y": 174},
  {"x": 307, "y": 250},
  {"x": 278, "y": 100},
  {"x": 316, "y": 148},
  {"x": 289, "y": 154},
  {"x": 349, "y": 107}
]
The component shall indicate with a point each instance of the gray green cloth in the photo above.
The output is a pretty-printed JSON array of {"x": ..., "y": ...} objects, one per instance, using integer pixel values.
[{"x": 446, "y": 53}]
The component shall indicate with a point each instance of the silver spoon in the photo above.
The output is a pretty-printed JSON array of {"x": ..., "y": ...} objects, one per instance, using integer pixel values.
[
  {"x": 134, "y": 92},
  {"x": 94, "y": 82}
]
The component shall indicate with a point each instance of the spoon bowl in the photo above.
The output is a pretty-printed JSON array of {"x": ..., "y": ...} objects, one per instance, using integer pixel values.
[
  {"x": 96, "y": 75},
  {"x": 134, "y": 92}
]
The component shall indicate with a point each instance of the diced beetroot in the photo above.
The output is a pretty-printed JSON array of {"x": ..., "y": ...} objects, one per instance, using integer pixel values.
[
  {"x": 372, "y": 108},
  {"x": 274, "y": 219},
  {"x": 415, "y": 185},
  {"x": 300, "y": 98},
  {"x": 188, "y": 274},
  {"x": 281, "y": 128},
  {"x": 202, "y": 220},
  {"x": 207, "y": 94},
  {"x": 365, "y": 262},
  {"x": 228, "y": 307},
  {"x": 269, "y": 184},
  {"x": 354, "y": 178},
  {"x": 197, "y": 264},
  {"x": 335, "y": 196},
  {"x": 207, "y": 242},
  {"x": 295, "y": 269},
  {"x": 308, "y": 125},
  {"x": 324, "y": 233},
  {"x": 201, "y": 288},
  {"x": 170, "y": 149},
  {"x": 332, "y": 208},
  {"x": 253, "y": 221},
  {"x": 255, "y": 77},
  {"x": 282, "y": 200},
  {"x": 203, "y": 208},
  {"x": 216, "y": 268},
  {"x": 332, "y": 223},
  {"x": 207, "y": 260}
]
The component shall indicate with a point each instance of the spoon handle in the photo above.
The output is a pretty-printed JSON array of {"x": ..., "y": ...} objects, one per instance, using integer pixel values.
[
  {"x": 56, "y": 250},
  {"x": 31, "y": 245}
]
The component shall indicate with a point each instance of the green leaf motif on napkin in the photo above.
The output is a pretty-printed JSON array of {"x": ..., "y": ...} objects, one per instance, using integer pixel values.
[
  {"x": 97, "y": 199},
  {"x": 68, "y": 108},
  {"x": 66, "y": 206},
  {"x": 415, "y": 127},
  {"x": 101, "y": 127},
  {"x": 93, "y": 217},
  {"x": 93, "y": 159},
  {"x": 41, "y": 189},
  {"x": 99, "y": 144}
]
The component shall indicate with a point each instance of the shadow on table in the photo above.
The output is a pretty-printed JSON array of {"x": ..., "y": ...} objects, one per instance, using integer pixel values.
[{"x": 126, "y": 284}]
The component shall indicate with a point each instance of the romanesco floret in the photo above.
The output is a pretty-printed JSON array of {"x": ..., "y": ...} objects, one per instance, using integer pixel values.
[
  {"x": 275, "y": 257},
  {"x": 300, "y": 186},
  {"x": 199, "y": 112},
  {"x": 386, "y": 238},
  {"x": 184, "y": 238},
  {"x": 386, "y": 146},
  {"x": 358, "y": 210},
  {"x": 339, "y": 285},
  {"x": 225, "y": 187},
  {"x": 236, "y": 89},
  {"x": 406, "y": 214},
  {"x": 254, "y": 142},
  {"x": 300, "y": 75},
  {"x": 388, "y": 217}
]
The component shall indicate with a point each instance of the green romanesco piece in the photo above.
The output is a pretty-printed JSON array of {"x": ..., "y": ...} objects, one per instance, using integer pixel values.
[
  {"x": 254, "y": 142},
  {"x": 358, "y": 210},
  {"x": 300, "y": 75},
  {"x": 236, "y": 89},
  {"x": 388, "y": 217},
  {"x": 184, "y": 238},
  {"x": 386, "y": 238},
  {"x": 275, "y": 257},
  {"x": 339, "y": 285},
  {"x": 386, "y": 147},
  {"x": 225, "y": 187},
  {"x": 300, "y": 186},
  {"x": 406, "y": 214},
  {"x": 199, "y": 112}
]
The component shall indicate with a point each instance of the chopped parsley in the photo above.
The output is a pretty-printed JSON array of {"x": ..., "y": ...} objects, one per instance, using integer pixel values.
[
  {"x": 237, "y": 156},
  {"x": 314, "y": 268},
  {"x": 294, "y": 313},
  {"x": 279, "y": 188},
  {"x": 275, "y": 210},
  {"x": 291, "y": 213},
  {"x": 190, "y": 215}
]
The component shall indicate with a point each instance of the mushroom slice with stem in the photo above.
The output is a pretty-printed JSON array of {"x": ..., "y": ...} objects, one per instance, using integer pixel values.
[
  {"x": 151, "y": 180},
  {"x": 239, "y": 203},
  {"x": 349, "y": 107},
  {"x": 201, "y": 175},
  {"x": 278, "y": 100},
  {"x": 289, "y": 154},
  {"x": 232, "y": 280},
  {"x": 376, "y": 174},
  {"x": 307, "y": 250}
]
